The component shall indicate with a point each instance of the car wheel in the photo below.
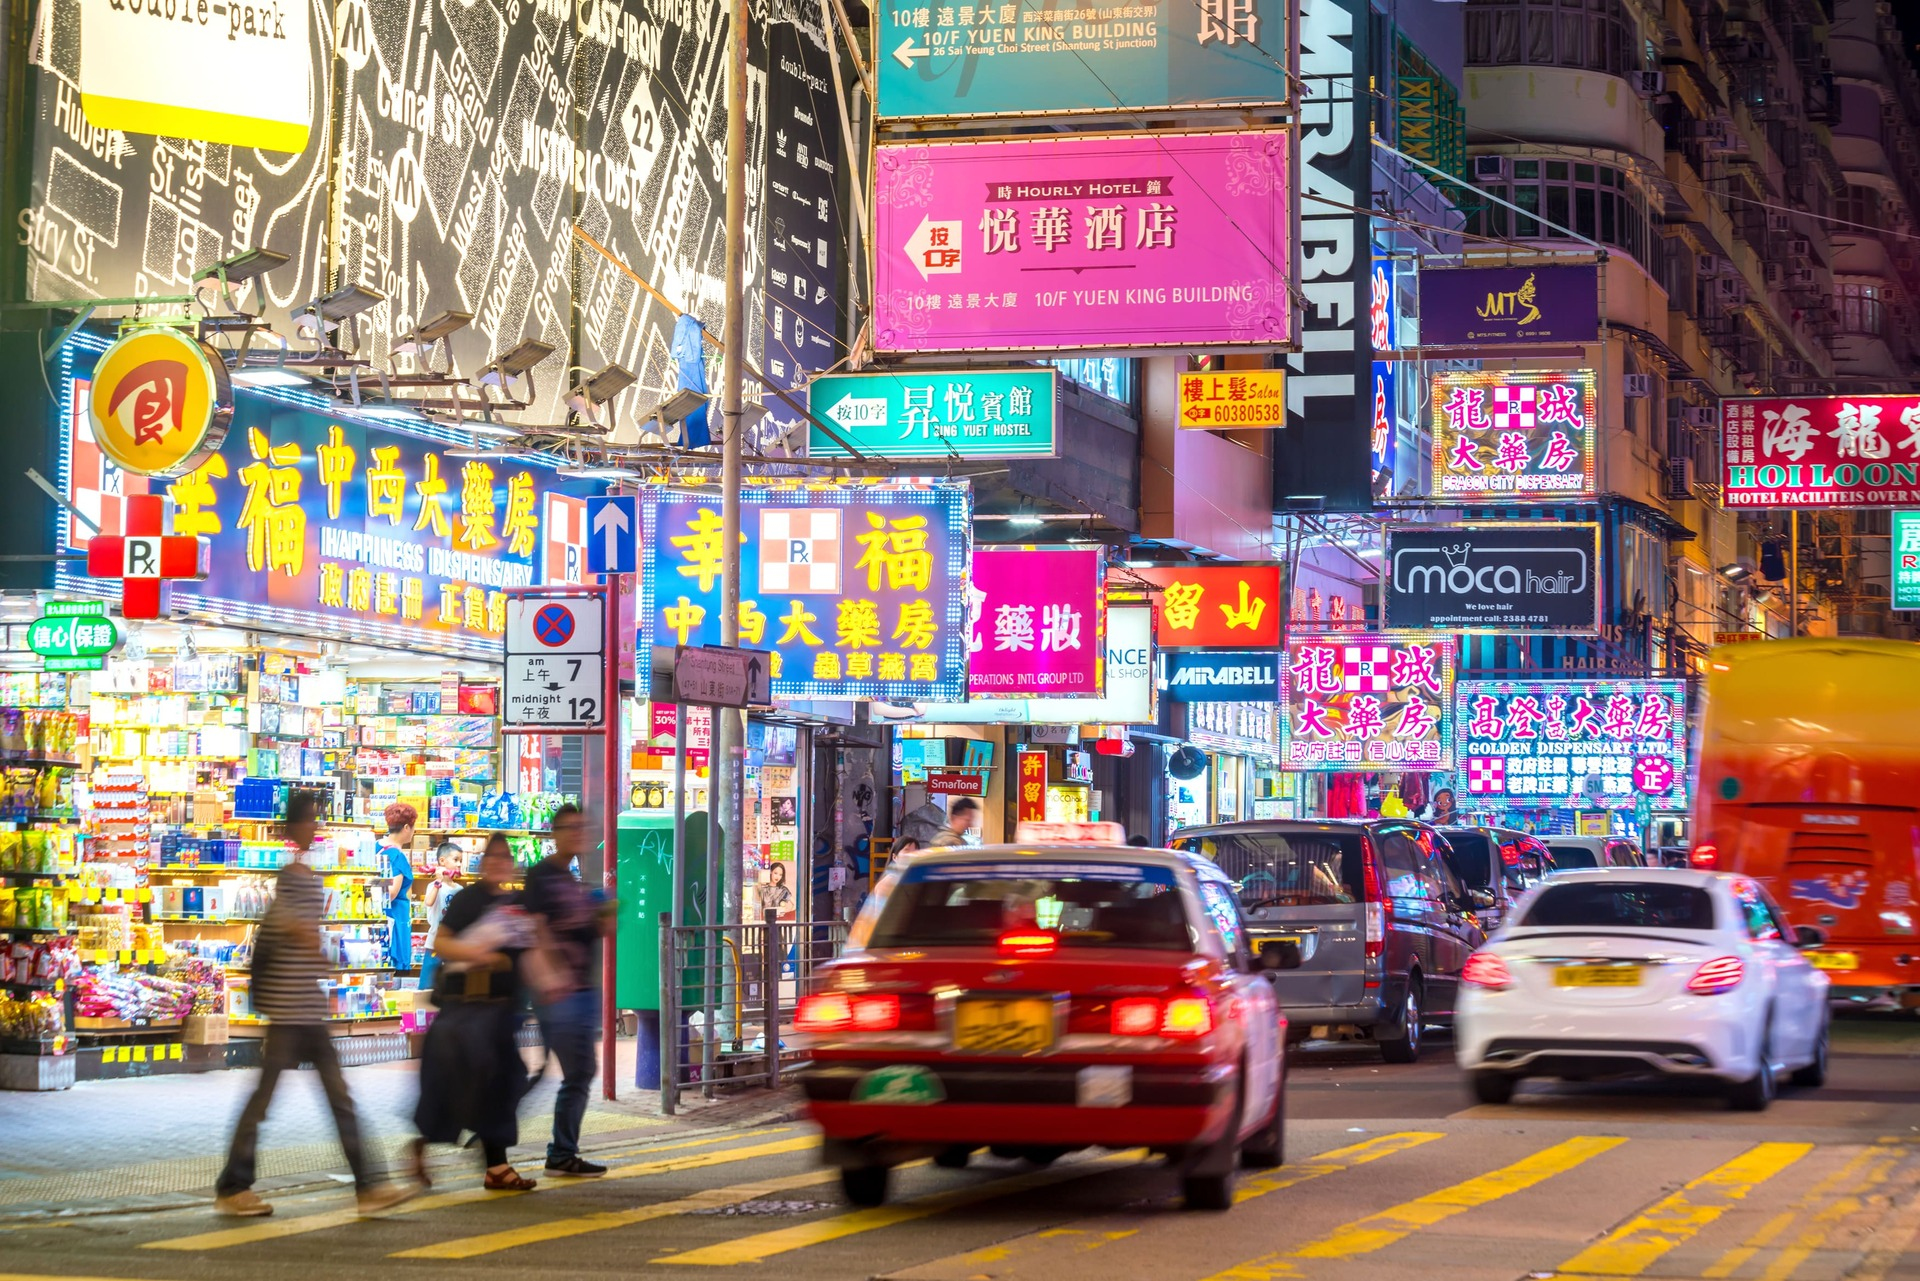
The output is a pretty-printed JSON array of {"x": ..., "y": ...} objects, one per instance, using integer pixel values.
[
  {"x": 1207, "y": 1191},
  {"x": 953, "y": 1158},
  {"x": 1756, "y": 1093},
  {"x": 1267, "y": 1147},
  {"x": 1814, "y": 1074},
  {"x": 1492, "y": 1087},
  {"x": 1404, "y": 1046},
  {"x": 865, "y": 1185},
  {"x": 1042, "y": 1156}
]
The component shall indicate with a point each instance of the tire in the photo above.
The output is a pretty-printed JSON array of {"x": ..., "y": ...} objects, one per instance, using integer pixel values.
[
  {"x": 1211, "y": 1192},
  {"x": 1042, "y": 1157},
  {"x": 1404, "y": 1046},
  {"x": 1267, "y": 1147},
  {"x": 953, "y": 1158},
  {"x": 1756, "y": 1093},
  {"x": 1492, "y": 1087},
  {"x": 865, "y": 1185},
  {"x": 1814, "y": 1074}
]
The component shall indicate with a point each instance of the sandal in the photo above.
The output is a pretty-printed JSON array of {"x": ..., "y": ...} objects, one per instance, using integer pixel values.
[
  {"x": 510, "y": 1180},
  {"x": 417, "y": 1161}
]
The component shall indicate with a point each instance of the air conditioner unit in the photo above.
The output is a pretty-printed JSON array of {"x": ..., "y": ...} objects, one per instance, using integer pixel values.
[
  {"x": 1706, "y": 264},
  {"x": 1775, "y": 274},
  {"x": 1791, "y": 367},
  {"x": 1648, "y": 83},
  {"x": 1799, "y": 247},
  {"x": 1636, "y": 386},
  {"x": 1800, "y": 278},
  {"x": 1489, "y": 167},
  {"x": 1700, "y": 416},
  {"x": 1680, "y": 478},
  {"x": 1731, "y": 289},
  {"x": 1779, "y": 224},
  {"x": 1712, "y": 134}
]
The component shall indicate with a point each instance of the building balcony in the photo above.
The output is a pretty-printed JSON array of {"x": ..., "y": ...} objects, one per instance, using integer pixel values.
[{"x": 1561, "y": 105}]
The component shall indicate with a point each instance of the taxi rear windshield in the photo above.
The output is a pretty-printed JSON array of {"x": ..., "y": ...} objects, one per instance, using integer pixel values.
[
  {"x": 1566, "y": 856},
  {"x": 1083, "y": 904},
  {"x": 1285, "y": 869},
  {"x": 1620, "y": 904}
]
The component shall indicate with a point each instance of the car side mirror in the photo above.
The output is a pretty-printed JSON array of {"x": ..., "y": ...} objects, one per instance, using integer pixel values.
[
  {"x": 1279, "y": 954},
  {"x": 1480, "y": 900},
  {"x": 1808, "y": 936}
]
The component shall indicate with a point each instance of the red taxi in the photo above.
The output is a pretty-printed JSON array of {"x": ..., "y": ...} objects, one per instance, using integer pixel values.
[{"x": 1045, "y": 996}]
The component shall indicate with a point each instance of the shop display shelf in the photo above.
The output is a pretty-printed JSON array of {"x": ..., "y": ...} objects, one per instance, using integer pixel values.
[
  {"x": 45, "y": 1048},
  {"x": 7, "y": 872},
  {"x": 39, "y": 816},
  {"x": 12, "y": 760},
  {"x": 34, "y": 929},
  {"x": 124, "y": 1027}
]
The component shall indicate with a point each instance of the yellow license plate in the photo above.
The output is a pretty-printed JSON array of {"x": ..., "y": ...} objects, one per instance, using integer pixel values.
[
  {"x": 1833, "y": 960},
  {"x": 1597, "y": 976},
  {"x": 1020, "y": 1025}
]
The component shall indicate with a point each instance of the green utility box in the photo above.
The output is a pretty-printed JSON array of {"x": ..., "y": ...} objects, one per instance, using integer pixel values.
[{"x": 644, "y": 880}]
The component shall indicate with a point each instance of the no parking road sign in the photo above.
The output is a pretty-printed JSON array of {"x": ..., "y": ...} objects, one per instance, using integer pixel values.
[{"x": 556, "y": 662}]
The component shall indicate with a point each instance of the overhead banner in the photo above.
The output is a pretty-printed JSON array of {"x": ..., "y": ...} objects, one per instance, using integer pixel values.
[
  {"x": 1579, "y": 744},
  {"x": 1128, "y": 672},
  {"x": 1068, "y": 243},
  {"x": 1464, "y": 306},
  {"x": 1213, "y": 676},
  {"x": 1523, "y": 436},
  {"x": 1821, "y": 451},
  {"x": 1906, "y": 560},
  {"x": 802, "y": 227},
  {"x": 1515, "y": 576},
  {"x": 1214, "y": 606},
  {"x": 1035, "y": 58},
  {"x": 1355, "y": 702},
  {"x": 857, "y": 592},
  {"x": 910, "y": 413},
  {"x": 1237, "y": 398},
  {"x": 1035, "y": 621}
]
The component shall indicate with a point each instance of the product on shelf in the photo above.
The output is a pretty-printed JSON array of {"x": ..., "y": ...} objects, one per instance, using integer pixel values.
[
  {"x": 205, "y": 980},
  {"x": 131, "y": 997},
  {"x": 34, "y": 1018}
]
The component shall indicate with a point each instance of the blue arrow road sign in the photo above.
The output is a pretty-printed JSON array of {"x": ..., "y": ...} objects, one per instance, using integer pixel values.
[{"x": 612, "y": 524}]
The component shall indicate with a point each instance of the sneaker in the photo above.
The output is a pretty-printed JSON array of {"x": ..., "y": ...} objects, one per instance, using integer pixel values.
[
  {"x": 575, "y": 1168},
  {"x": 242, "y": 1205},
  {"x": 383, "y": 1197}
]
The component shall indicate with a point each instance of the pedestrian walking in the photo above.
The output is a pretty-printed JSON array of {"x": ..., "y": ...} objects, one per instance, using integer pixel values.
[
  {"x": 397, "y": 863},
  {"x": 288, "y": 969},
  {"x": 962, "y": 817},
  {"x": 471, "y": 1074},
  {"x": 569, "y": 924}
]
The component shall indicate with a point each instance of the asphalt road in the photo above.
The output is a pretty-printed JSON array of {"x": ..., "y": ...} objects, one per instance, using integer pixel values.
[{"x": 1392, "y": 1173}]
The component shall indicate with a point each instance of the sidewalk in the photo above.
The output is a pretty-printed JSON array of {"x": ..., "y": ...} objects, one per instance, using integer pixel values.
[{"x": 159, "y": 1143}]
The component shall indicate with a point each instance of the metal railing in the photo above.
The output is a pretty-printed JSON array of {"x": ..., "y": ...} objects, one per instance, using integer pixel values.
[{"x": 727, "y": 992}]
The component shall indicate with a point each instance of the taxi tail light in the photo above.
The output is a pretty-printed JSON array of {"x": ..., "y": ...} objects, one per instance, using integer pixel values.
[
  {"x": 840, "y": 1012},
  {"x": 1484, "y": 969},
  {"x": 1722, "y": 974},
  {"x": 1705, "y": 856},
  {"x": 1028, "y": 943},
  {"x": 1178, "y": 1018},
  {"x": 1378, "y": 907}
]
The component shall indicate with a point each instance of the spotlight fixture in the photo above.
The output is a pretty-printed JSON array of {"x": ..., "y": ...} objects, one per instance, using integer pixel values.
[
  {"x": 680, "y": 406},
  {"x": 590, "y": 398},
  {"x": 514, "y": 363},
  {"x": 228, "y": 280},
  {"x": 1735, "y": 573},
  {"x": 436, "y": 328},
  {"x": 346, "y": 302}
]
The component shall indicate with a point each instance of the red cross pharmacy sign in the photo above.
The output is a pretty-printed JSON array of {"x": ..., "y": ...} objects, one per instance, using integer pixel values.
[{"x": 146, "y": 556}]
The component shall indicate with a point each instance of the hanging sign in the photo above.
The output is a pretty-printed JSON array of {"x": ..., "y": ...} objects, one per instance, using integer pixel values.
[
  {"x": 1821, "y": 451},
  {"x": 1215, "y": 676},
  {"x": 1906, "y": 560},
  {"x": 1215, "y": 606},
  {"x": 1513, "y": 436},
  {"x": 1234, "y": 398},
  {"x": 1580, "y": 744},
  {"x": 147, "y": 557},
  {"x": 73, "y": 636},
  {"x": 1036, "y": 621},
  {"x": 556, "y": 663},
  {"x": 907, "y": 413},
  {"x": 1128, "y": 673},
  {"x": 160, "y": 400},
  {"x": 1354, "y": 702},
  {"x": 1463, "y": 306},
  {"x": 1514, "y": 576},
  {"x": 1030, "y": 774}
]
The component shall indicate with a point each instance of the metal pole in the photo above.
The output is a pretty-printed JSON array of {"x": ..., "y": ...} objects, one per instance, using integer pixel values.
[
  {"x": 802, "y": 852},
  {"x": 711, "y": 932},
  {"x": 770, "y": 995},
  {"x": 1793, "y": 573},
  {"x": 611, "y": 750},
  {"x": 677, "y": 908},
  {"x": 670, "y": 1021},
  {"x": 728, "y": 728}
]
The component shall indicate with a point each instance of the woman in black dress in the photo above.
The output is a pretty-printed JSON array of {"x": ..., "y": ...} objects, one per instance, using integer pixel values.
[{"x": 471, "y": 1073}]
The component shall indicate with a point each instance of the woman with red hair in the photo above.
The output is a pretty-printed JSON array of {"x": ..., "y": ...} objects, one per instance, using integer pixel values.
[{"x": 397, "y": 863}]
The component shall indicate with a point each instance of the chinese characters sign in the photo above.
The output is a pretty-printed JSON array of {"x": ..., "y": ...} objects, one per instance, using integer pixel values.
[
  {"x": 1821, "y": 451},
  {"x": 1083, "y": 242},
  {"x": 1030, "y": 775},
  {"x": 945, "y": 60},
  {"x": 857, "y": 593},
  {"x": 1036, "y": 618},
  {"x": 988, "y": 413},
  {"x": 159, "y": 403},
  {"x": 1513, "y": 435},
  {"x": 1216, "y": 605},
  {"x": 1585, "y": 743},
  {"x": 1242, "y": 398},
  {"x": 1464, "y": 305},
  {"x": 1906, "y": 560},
  {"x": 1511, "y": 576},
  {"x": 1355, "y": 702}
]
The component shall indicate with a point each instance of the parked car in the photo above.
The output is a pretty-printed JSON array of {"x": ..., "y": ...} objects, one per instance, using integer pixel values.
[
  {"x": 1571, "y": 852},
  {"x": 1650, "y": 972},
  {"x": 1503, "y": 862},
  {"x": 1382, "y": 924}
]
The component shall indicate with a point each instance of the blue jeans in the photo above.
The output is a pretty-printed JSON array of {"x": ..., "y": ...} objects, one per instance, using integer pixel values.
[{"x": 571, "y": 1028}]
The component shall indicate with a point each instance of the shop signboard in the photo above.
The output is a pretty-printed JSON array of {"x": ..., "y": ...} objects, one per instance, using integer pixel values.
[
  {"x": 1220, "y": 400},
  {"x": 1216, "y": 676},
  {"x": 913, "y": 413},
  {"x": 1033, "y": 58},
  {"x": 1523, "y": 436},
  {"x": 323, "y": 524},
  {"x": 1036, "y": 622},
  {"x": 1582, "y": 744},
  {"x": 1497, "y": 306},
  {"x": 1821, "y": 451},
  {"x": 73, "y": 636},
  {"x": 159, "y": 402},
  {"x": 556, "y": 662},
  {"x": 1128, "y": 699},
  {"x": 856, "y": 592},
  {"x": 1906, "y": 560},
  {"x": 1508, "y": 576},
  {"x": 956, "y": 783},
  {"x": 720, "y": 676},
  {"x": 1367, "y": 702},
  {"x": 1738, "y": 638},
  {"x": 1030, "y": 776},
  {"x": 1214, "y": 606},
  {"x": 1079, "y": 242}
]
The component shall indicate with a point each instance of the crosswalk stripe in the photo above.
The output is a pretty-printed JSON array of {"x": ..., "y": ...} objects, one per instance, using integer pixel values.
[
  {"x": 763, "y": 1245},
  {"x": 1843, "y": 1180},
  {"x": 558, "y": 1229},
  {"x": 1826, "y": 1219},
  {"x": 1377, "y": 1231},
  {"x": 1331, "y": 1163},
  {"x": 276, "y": 1228},
  {"x": 1631, "y": 1248}
]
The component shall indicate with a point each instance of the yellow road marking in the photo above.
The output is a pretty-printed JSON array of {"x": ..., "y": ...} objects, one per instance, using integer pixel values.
[
  {"x": 557, "y": 1229},
  {"x": 1842, "y": 1208},
  {"x": 1331, "y": 1163},
  {"x": 33, "y": 1276},
  {"x": 1080, "y": 1240},
  {"x": 1841, "y": 1180},
  {"x": 763, "y": 1245},
  {"x": 1377, "y": 1231},
  {"x": 276, "y": 1228},
  {"x": 1629, "y": 1249}
]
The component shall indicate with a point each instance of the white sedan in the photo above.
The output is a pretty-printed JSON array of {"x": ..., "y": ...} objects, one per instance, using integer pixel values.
[{"x": 1644, "y": 972}]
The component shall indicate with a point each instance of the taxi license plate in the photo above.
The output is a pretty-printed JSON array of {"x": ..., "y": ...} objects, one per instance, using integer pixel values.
[
  {"x": 1833, "y": 960},
  {"x": 1597, "y": 976},
  {"x": 1020, "y": 1025}
]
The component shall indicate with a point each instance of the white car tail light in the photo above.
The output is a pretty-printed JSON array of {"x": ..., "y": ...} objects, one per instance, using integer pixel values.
[
  {"x": 1722, "y": 974},
  {"x": 1484, "y": 969}
]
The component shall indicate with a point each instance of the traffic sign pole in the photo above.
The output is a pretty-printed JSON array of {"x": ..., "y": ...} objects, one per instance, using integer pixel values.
[{"x": 610, "y": 834}]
